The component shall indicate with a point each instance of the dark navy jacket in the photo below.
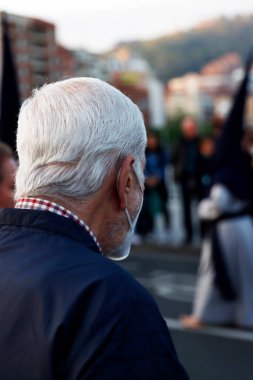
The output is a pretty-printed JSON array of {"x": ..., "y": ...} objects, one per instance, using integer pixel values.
[{"x": 68, "y": 313}]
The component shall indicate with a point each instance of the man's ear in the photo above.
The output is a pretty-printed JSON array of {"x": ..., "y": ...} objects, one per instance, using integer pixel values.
[{"x": 125, "y": 181}]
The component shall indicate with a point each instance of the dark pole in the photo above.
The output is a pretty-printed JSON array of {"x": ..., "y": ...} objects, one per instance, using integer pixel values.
[{"x": 9, "y": 102}]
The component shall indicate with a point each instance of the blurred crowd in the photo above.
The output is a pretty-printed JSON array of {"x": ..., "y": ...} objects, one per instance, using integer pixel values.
[
  {"x": 188, "y": 165},
  {"x": 214, "y": 174}
]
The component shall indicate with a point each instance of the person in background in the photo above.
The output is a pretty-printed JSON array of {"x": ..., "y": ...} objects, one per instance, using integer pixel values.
[
  {"x": 205, "y": 166},
  {"x": 224, "y": 290},
  {"x": 156, "y": 193},
  {"x": 205, "y": 172},
  {"x": 7, "y": 176},
  {"x": 216, "y": 122},
  {"x": 185, "y": 162},
  {"x": 68, "y": 311}
]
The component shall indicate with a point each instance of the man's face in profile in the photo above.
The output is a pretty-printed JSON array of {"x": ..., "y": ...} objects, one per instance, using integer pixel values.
[{"x": 8, "y": 169}]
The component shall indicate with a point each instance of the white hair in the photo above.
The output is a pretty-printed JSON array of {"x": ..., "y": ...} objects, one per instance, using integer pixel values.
[{"x": 72, "y": 134}]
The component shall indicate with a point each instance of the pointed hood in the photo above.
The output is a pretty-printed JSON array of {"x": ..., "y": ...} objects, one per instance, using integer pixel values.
[
  {"x": 9, "y": 95},
  {"x": 232, "y": 166}
]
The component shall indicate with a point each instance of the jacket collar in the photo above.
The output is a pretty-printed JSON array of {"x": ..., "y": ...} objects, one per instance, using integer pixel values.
[{"x": 47, "y": 221}]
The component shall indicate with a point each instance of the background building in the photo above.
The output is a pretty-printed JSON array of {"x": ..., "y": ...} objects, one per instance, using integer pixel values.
[
  {"x": 34, "y": 50},
  {"x": 209, "y": 92},
  {"x": 39, "y": 59},
  {"x": 89, "y": 65},
  {"x": 185, "y": 96},
  {"x": 134, "y": 77}
]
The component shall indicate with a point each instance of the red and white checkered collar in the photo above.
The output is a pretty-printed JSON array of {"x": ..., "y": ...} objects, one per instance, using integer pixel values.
[{"x": 45, "y": 205}]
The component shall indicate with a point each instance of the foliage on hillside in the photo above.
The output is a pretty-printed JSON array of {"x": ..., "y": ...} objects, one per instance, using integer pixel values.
[{"x": 174, "y": 55}]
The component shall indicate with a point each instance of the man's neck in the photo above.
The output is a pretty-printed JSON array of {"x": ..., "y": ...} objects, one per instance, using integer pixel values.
[{"x": 97, "y": 211}]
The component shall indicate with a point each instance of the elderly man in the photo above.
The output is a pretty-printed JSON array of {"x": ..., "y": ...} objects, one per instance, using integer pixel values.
[{"x": 67, "y": 310}]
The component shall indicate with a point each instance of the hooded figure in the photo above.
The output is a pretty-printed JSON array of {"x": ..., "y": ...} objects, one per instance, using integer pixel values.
[
  {"x": 224, "y": 293},
  {"x": 232, "y": 165}
]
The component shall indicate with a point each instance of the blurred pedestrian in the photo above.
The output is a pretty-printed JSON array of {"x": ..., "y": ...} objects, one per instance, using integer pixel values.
[
  {"x": 156, "y": 193},
  {"x": 185, "y": 162},
  {"x": 7, "y": 176},
  {"x": 205, "y": 166},
  {"x": 216, "y": 122},
  {"x": 224, "y": 291},
  {"x": 205, "y": 172},
  {"x": 67, "y": 310}
]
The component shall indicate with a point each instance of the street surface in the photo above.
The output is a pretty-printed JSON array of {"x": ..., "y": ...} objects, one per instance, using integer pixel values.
[{"x": 213, "y": 353}]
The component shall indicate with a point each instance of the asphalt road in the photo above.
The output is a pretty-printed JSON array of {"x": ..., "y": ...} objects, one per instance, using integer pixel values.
[{"x": 214, "y": 353}]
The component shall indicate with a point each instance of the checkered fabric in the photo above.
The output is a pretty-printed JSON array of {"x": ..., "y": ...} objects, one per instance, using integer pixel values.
[{"x": 45, "y": 205}]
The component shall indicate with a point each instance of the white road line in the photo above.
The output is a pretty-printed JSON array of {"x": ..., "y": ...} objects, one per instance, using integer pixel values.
[
  {"x": 171, "y": 286},
  {"x": 175, "y": 297},
  {"x": 174, "y": 324}
]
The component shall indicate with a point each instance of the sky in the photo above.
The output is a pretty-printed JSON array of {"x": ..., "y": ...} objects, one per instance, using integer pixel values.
[{"x": 97, "y": 25}]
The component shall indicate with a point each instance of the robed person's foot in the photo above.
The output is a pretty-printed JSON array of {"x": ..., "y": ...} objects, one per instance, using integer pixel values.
[{"x": 191, "y": 322}]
